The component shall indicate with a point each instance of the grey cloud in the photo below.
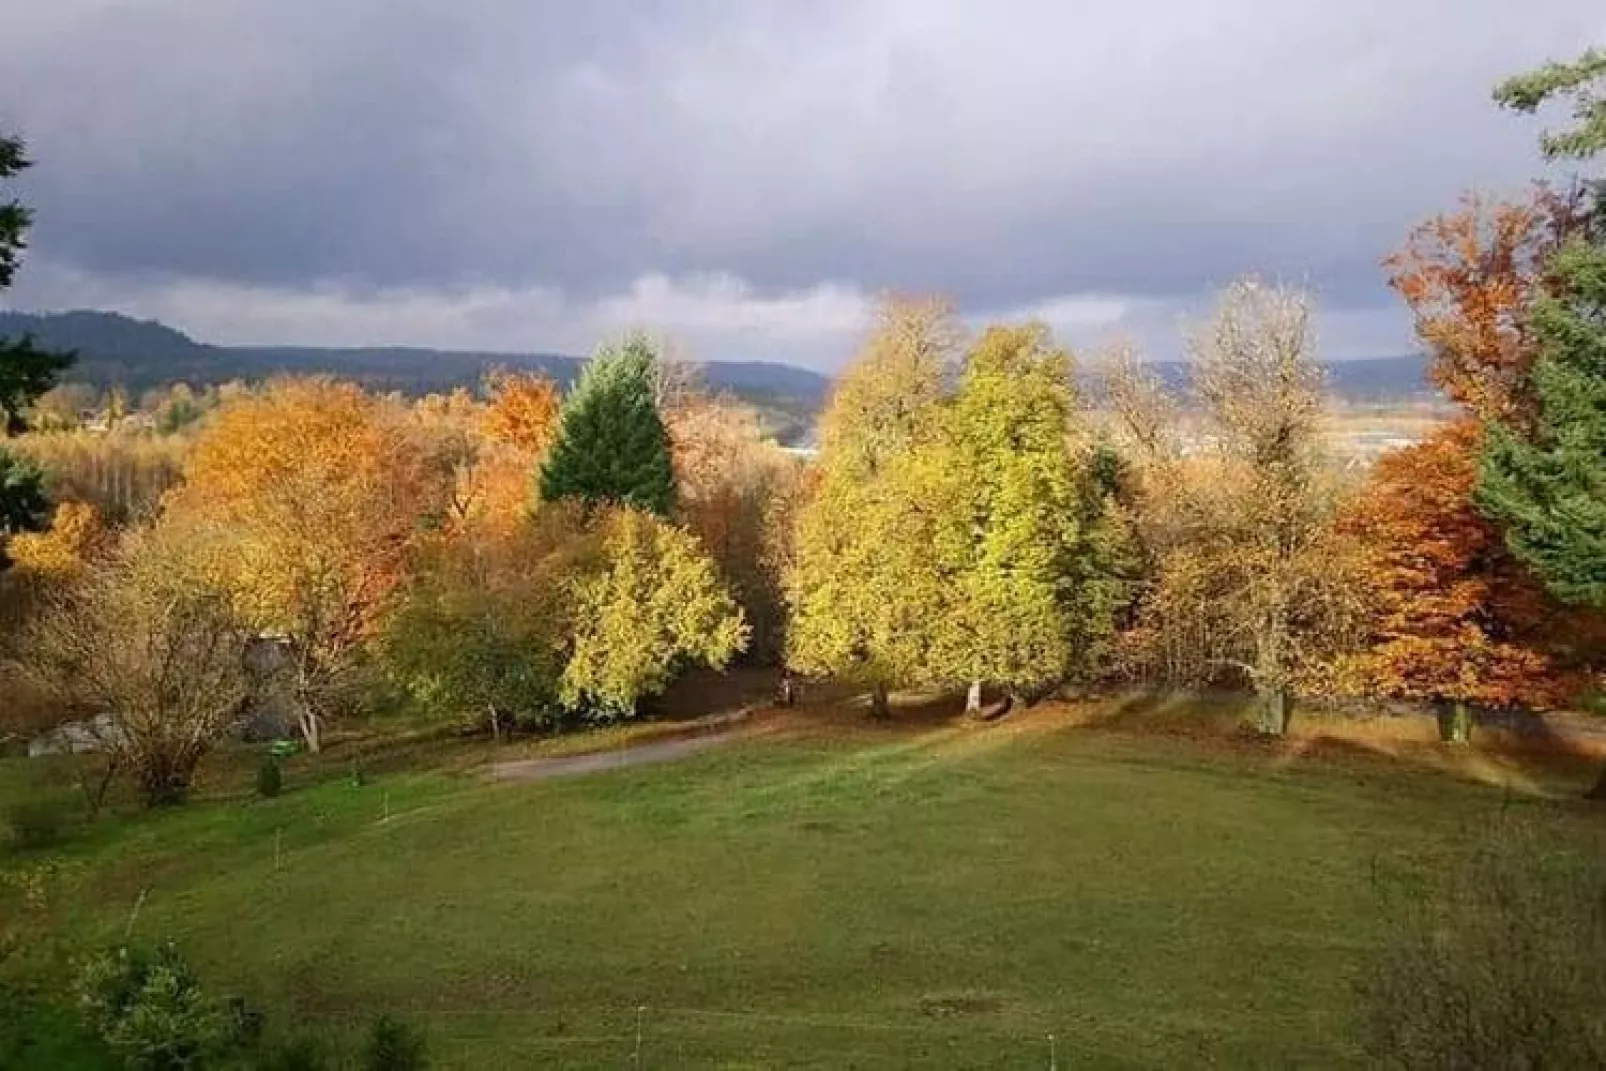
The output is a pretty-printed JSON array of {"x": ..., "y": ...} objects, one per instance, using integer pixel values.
[{"x": 1005, "y": 153}]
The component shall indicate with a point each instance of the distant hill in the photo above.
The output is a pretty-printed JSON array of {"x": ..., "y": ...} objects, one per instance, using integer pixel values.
[
  {"x": 114, "y": 349},
  {"x": 1374, "y": 380}
]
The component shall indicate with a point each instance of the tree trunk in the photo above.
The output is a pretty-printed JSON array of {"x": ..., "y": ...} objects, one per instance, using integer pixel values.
[
  {"x": 1276, "y": 711},
  {"x": 973, "y": 698},
  {"x": 880, "y": 705},
  {"x": 96, "y": 796},
  {"x": 311, "y": 730},
  {"x": 1455, "y": 724},
  {"x": 496, "y": 725}
]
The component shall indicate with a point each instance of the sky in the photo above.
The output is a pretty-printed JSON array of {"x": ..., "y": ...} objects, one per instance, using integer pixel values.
[{"x": 748, "y": 177}]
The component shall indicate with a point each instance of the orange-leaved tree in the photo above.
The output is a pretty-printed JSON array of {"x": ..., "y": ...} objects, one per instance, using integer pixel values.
[
  {"x": 489, "y": 451},
  {"x": 1468, "y": 276},
  {"x": 320, "y": 490},
  {"x": 735, "y": 490},
  {"x": 1457, "y": 620},
  {"x": 76, "y": 534},
  {"x": 522, "y": 410}
]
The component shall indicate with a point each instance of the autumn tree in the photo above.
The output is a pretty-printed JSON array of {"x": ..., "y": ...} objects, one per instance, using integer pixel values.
[
  {"x": 43, "y": 565},
  {"x": 647, "y": 604},
  {"x": 1455, "y": 619},
  {"x": 144, "y": 637},
  {"x": 1251, "y": 580},
  {"x": 61, "y": 408},
  {"x": 612, "y": 446},
  {"x": 516, "y": 429},
  {"x": 522, "y": 410},
  {"x": 76, "y": 536},
  {"x": 322, "y": 491},
  {"x": 1031, "y": 595},
  {"x": 26, "y": 372},
  {"x": 486, "y": 450},
  {"x": 734, "y": 489},
  {"x": 861, "y": 582},
  {"x": 122, "y": 473},
  {"x": 480, "y": 630},
  {"x": 1469, "y": 277}
]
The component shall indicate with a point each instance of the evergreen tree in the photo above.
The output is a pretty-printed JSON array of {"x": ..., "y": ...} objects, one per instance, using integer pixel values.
[
  {"x": 612, "y": 446},
  {"x": 25, "y": 371},
  {"x": 1547, "y": 485},
  {"x": 23, "y": 506},
  {"x": 1549, "y": 489}
]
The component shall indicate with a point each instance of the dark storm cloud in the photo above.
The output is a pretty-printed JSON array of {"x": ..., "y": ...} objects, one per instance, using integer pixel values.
[{"x": 1003, "y": 152}]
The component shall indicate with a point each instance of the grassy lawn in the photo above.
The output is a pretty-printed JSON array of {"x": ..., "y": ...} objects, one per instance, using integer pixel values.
[{"x": 931, "y": 897}]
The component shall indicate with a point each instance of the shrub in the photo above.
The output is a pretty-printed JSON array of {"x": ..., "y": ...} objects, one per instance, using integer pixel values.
[
  {"x": 36, "y": 1033},
  {"x": 303, "y": 1052},
  {"x": 38, "y": 822},
  {"x": 148, "y": 1006},
  {"x": 270, "y": 778},
  {"x": 1505, "y": 969},
  {"x": 394, "y": 1046}
]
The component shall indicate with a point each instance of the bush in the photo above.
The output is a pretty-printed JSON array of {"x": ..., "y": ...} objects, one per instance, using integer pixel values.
[
  {"x": 1505, "y": 969},
  {"x": 270, "y": 778},
  {"x": 394, "y": 1046},
  {"x": 149, "y": 1008},
  {"x": 301, "y": 1053},
  {"x": 39, "y": 822},
  {"x": 36, "y": 1033}
]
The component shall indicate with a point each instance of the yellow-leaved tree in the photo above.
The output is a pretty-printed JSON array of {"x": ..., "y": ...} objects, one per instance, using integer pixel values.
[
  {"x": 863, "y": 580},
  {"x": 1038, "y": 574},
  {"x": 648, "y": 603},
  {"x": 142, "y": 637}
]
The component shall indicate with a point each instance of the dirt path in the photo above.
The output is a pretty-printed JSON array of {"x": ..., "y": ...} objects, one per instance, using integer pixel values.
[{"x": 712, "y": 733}]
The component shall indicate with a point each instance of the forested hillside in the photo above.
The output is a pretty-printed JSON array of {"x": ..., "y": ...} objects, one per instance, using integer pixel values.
[{"x": 117, "y": 350}]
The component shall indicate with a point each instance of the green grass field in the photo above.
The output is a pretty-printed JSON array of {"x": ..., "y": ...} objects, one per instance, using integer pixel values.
[{"x": 931, "y": 897}]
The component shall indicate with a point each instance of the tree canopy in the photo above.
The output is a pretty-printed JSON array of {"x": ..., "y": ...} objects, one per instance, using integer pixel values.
[{"x": 1454, "y": 616}]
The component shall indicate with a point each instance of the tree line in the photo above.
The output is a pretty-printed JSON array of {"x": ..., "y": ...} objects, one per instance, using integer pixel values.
[{"x": 974, "y": 520}]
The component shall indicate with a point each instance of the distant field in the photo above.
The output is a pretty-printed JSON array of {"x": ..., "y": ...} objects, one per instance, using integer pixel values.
[
  {"x": 1360, "y": 433},
  {"x": 823, "y": 894}
]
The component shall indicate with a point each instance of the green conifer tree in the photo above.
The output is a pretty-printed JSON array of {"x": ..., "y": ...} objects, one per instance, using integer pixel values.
[
  {"x": 25, "y": 371},
  {"x": 1547, "y": 485},
  {"x": 1548, "y": 489},
  {"x": 612, "y": 446}
]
